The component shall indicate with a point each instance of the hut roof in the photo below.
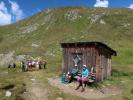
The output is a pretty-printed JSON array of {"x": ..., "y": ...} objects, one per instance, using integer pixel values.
[{"x": 85, "y": 44}]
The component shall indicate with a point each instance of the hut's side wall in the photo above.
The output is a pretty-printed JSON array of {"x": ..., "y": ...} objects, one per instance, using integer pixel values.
[
  {"x": 64, "y": 64},
  {"x": 109, "y": 66},
  {"x": 105, "y": 64},
  {"x": 98, "y": 65}
]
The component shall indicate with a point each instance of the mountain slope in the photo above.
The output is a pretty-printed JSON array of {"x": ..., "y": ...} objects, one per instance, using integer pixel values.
[{"x": 41, "y": 34}]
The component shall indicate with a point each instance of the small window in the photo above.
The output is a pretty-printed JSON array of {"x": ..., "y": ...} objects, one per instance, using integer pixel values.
[{"x": 76, "y": 58}]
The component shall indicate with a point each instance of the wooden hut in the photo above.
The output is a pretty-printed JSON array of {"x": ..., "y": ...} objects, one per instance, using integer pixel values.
[{"x": 90, "y": 53}]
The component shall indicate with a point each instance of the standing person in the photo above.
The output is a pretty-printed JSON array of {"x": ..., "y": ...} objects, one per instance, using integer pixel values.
[
  {"x": 83, "y": 79},
  {"x": 37, "y": 64},
  {"x": 40, "y": 64},
  {"x": 14, "y": 65},
  {"x": 30, "y": 65},
  {"x": 44, "y": 64},
  {"x": 23, "y": 66},
  {"x": 9, "y": 66}
]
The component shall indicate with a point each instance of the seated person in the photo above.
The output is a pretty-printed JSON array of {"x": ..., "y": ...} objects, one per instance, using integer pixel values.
[
  {"x": 74, "y": 70},
  {"x": 66, "y": 78},
  {"x": 93, "y": 73},
  {"x": 83, "y": 79},
  {"x": 69, "y": 76}
]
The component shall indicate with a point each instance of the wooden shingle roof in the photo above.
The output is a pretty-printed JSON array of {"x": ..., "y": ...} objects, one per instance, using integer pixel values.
[{"x": 86, "y": 44}]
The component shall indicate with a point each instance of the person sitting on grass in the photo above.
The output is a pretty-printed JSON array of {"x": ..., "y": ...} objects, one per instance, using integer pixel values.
[{"x": 83, "y": 79}]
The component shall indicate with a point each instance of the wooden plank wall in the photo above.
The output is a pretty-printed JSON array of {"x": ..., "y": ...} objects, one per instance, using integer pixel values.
[
  {"x": 91, "y": 56},
  {"x": 98, "y": 65},
  {"x": 109, "y": 66},
  {"x": 65, "y": 61},
  {"x": 104, "y": 63}
]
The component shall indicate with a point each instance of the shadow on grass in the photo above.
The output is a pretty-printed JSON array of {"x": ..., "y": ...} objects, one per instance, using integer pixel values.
[
  {"x": 116, "y": 73},
  {"x": 94, "y": 85},
  {"x": 7, "y": 87},
  {"x": 131, "y": 91}
]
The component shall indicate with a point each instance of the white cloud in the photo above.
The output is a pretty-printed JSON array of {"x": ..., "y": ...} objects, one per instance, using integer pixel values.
[
  {"x": 131, "y": 6},
  {"x": 2, "y": 7},
  {"x": 5, "y": 17},
  {"x": 16, "y": 11},
  {"x": 101, "y": 3}
]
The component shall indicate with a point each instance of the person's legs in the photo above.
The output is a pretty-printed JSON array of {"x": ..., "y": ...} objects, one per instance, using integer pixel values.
[
  {"x": 44, "y": 66},
  {"x": 22, "y": 68},
  {"x": 9, "y": 66},
  {"x": 84, "y": 81},
  {"x": 78, "y": 86},
  {"x": 83, "y": 87},
  {"x": 79, "y": 79}
]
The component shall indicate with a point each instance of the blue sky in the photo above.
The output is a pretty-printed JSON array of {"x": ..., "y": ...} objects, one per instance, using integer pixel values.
[{"x": 14, "y": 10}]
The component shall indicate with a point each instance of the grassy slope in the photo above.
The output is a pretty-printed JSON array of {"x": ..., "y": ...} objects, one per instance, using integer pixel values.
[
  {"x": 59, "y": 29},
  {"x": 117, "y": 32}
]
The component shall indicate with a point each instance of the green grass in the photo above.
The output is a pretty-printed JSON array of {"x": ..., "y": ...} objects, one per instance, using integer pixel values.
[{"x": 12, "y": 77}]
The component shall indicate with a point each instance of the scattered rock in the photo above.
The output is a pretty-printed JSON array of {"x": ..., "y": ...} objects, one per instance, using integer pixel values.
[
  {"x": 126, "y": 24},
  {"x": 102, "y": 21},
  {"x": 103, "y": 86},
  {"x": 47, "y": 18},
  {"x": 6, "y": 58},
  {"x": 59, "y": 98},
  {"x": 94, "y": 18},
  {"x": 34, "y": 45},
  {"x": 122, "y": 81},
  {"x": 32, "y": 79},
  {"x": 108, "y": 84},
  {"x": 72, "y": 15},
  {"x": 82, "y": 37},
  {"x": 25, "y": 92},
  {"x": 48, "y": 53},
  {"x": 20, "y": 57},
  {"x": 91, "y": 90},
  {"x": 72, "y": 85},
  {"x": 51, "y": 22},
  {"x": 117, "y": 13},
  {"x": 29, "y": 28},
  {"x": 8, "y": 93},
  {"x": 47, "y": 28},
  {"x": 48, "y": 10}
]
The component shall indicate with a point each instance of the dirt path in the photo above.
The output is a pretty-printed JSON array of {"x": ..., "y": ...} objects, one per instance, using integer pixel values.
[
  {"x": 89, "y": 92},
  {"x": 35, "y": 90}
]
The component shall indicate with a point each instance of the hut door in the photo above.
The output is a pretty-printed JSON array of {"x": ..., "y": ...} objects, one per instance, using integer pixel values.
[{"x": 77, "y": 59}]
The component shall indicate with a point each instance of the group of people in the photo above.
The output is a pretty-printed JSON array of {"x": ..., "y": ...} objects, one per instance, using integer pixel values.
[
  {"x": 29, "y": 65},
  {"x": 86, "y": 75},
  {"x": 12, "y": 65}
]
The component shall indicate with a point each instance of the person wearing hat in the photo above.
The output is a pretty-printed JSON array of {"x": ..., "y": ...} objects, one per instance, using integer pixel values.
[{"x": 83, "y": 79}]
